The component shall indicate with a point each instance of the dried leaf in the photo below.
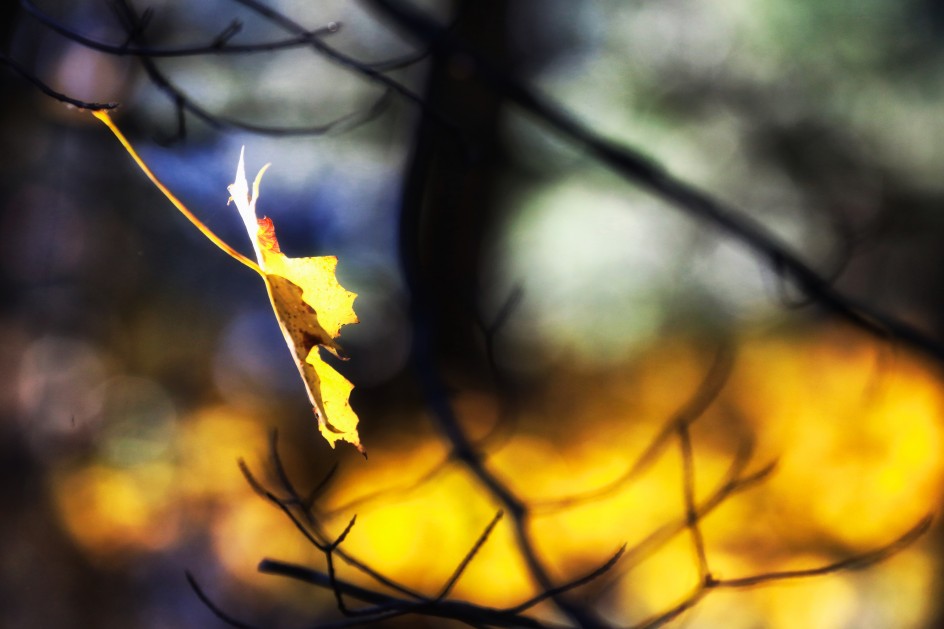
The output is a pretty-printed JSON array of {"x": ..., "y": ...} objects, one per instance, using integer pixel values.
[
  {"x": 310, "y": 306},
  {"x": 309, "y": 303}
]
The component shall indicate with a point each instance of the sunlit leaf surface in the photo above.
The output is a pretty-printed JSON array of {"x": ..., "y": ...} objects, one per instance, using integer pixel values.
[
  {"x": 310, "y": 306},
  {"x": 309, "y": 303}
]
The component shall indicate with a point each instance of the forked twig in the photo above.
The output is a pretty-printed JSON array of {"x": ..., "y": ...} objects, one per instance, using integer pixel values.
[
  {"x": 593, "y": 575},
  {"x": 692, "y": 519},
  {"x": 694, "y": 408},
  {"x": 855, "y": 562},
  {"x": 184, "y": 104},
  {"x": 461, "y": 611},
  {"x": 220, "y": 45},
  {"x": 311, "y": 528},
  {"x": 734, "y": 483}
]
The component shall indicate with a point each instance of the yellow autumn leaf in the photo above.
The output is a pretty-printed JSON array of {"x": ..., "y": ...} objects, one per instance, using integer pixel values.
[
  {"x": 310, "y": 306},
  {"x": 309, "y": 303}
]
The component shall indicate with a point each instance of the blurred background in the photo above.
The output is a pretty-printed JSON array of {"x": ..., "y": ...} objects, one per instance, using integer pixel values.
[{"x": 569, "y": 314}]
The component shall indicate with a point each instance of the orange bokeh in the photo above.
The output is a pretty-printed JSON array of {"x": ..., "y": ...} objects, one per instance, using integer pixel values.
[{"x": 853, "y": 426}]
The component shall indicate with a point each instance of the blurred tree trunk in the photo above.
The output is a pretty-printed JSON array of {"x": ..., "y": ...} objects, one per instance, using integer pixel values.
[{"x": 451, "y": 182}]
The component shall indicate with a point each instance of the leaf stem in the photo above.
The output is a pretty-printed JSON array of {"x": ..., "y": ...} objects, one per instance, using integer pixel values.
[{"x": 216, "y": 240}]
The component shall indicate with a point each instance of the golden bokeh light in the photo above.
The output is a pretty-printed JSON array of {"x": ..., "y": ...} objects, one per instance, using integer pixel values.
[
  {"x": 854, "y": 430},
  {"x": 115, "y": 512}
]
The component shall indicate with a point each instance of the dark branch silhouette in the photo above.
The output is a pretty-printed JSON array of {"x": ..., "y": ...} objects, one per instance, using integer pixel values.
[
  {"x": 642, "y": 171},
  {"x": 857, "y": 562},
  {"x": 48, "y": 91},
  {"x": 221, "y": 45},
  {"x": 708, "y": 390},
  {"x": 183, "y": 104}
]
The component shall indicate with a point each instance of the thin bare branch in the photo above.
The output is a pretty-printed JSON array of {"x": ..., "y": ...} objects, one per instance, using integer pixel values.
[
  {"x": 576, "y": 583},
  {"x": 184, "y": 104},
  {"x": 220, "y": 45},
  {"x": 451, "y": 582},
  {"x": 399, "y": 63},
  {"x": 394, "y": 491},
  {"x": 490, "y": 329},
  {"x": 283, "y": 506},
  {"x": 319, "y": 489},
  {"x": 48, "y": 91},
  {"x": 461, "y": 611},
  {"x": 364, "y": 70},
  {"x": 466, "y": 453},
  {"x": 675, "y": 611},
  {"x": 332, "y": 575},
  {"x": 213, "y": 607},
  {"x": 232, "y": 29},
  {"x": 311, "y": 528},
  {"x": 704, "y": 396},
  {"x": 692, "y": 518},
  {"x": 732, "y": 484},
  {"x": 856, "y": 562}
]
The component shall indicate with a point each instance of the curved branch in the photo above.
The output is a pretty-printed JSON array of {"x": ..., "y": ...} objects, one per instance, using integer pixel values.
[
  {"x": 213, "y": 607},
  {"x": 366, "y": 70},
  {"x": 633, "y": 166},
  {"x": 48, "y": 91},
  {"x": 694, "y": 408},
  {"x": 220, "y": 46},
  {"x": 856, "y": 562},
  {"x": 457, "y": 610},
  {"x": 184, "y": 104}
]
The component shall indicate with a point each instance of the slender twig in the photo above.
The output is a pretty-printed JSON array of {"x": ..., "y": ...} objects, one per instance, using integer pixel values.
[
  {"x": 490, "y": 328},
  {"x": 315, "y": 526},
  {"x": 48, "y": 91},
  {"x": 319, "y": 489},
  {"x": 221, "y": 45},
  {"x": 469, "y": 556},
  {"x": 856, "y": 562},
  {"x": 185, "y": 104},
  {"x": 332, "y": 575},
  {"x": 594, "y": 574},
  {"x": 213, "y": 607},
  {"x": 232, "y": 29},
  {"x": 507, "y": 419},
  {"x": 393, "y": 491},
  {"x": 731, "y": 486},
  {"x": 462, "y": 611},
  {"x": 404, "y": 61},
  {"x": 313, "y": 532},
  {"x": 692, "y": 518},
  {"x": 398, "y": 63},
  {"x": 364, "y": 70},
  {"x": 515, "y": 506},
  {"x": 694, "y": 408},
  {"x": 282, "y": 506}
]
